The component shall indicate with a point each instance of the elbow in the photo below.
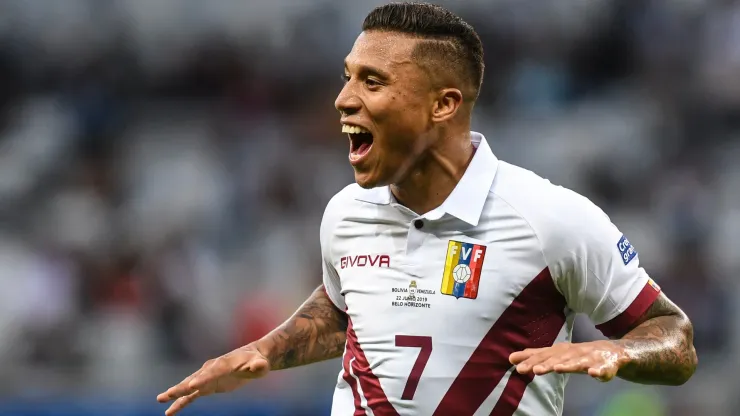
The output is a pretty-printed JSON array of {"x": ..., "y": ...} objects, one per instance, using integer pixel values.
[
  {"x": 684, "y": 374},
  {"x": 691, "y": 360},
  {"x": 690, "y": 368}
]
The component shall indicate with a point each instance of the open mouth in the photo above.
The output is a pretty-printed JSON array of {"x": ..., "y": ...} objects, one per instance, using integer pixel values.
[{"x": 360, "y": 139}]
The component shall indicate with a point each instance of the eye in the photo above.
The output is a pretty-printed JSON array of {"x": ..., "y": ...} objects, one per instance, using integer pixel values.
[
  {"x": 345, "y": 78},
  {"x": 372, "y": 83}
]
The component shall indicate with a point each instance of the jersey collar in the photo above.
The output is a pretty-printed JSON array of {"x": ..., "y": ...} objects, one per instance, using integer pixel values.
[{"x": 469, "y": 196}]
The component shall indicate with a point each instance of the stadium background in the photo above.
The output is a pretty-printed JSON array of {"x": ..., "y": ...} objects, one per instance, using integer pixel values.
[{"x": 164, "y": 165}]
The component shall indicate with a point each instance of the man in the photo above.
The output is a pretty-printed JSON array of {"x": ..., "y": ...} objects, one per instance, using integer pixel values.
[{"x": 451, "y": 279}]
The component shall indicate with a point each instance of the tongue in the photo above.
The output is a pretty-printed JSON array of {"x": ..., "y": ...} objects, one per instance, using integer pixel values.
[{"x": 364, "y": 147}]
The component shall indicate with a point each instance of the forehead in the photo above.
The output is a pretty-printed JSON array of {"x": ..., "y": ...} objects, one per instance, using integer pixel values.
[{"x": 385, "y": 50}]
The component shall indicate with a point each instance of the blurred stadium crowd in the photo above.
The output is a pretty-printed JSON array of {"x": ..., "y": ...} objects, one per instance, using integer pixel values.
[{"x": 164, "y": 166}]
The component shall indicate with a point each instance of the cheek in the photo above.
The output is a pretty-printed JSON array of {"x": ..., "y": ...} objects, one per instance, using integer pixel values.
[
  {"x": 401, "y": 119},
  {"x": 405, "y": 115}
]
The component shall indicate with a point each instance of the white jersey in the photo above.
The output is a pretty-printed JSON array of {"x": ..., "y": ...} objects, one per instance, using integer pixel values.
[{"x": 437, "y": 302}]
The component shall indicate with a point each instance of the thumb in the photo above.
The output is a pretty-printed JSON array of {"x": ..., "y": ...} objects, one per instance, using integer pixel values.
[
  {"x": 600, "y": 373},
  {"x": 259, "y": 366},
  {"x": 254, "y": 367}
]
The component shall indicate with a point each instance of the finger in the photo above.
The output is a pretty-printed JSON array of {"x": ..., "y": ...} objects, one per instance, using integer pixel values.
[
  {"x": 541, "y": 355},
  {"x": 577, "y": 365},
  {"x": 520, "y": 356},
  {"x": 546, "y": 367},
  {"x": 179, "y": 390},
  {"x": 549, "y": 365},
  {"x": 210, "y": 375},
  {"x": 180, "y": 403}
]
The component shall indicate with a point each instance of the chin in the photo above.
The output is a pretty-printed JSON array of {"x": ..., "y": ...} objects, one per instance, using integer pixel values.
[{"x": 366, "y": 181}]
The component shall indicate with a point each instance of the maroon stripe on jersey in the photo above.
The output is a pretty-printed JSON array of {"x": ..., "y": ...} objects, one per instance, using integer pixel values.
[
  {"x": 512, "y": 394},
  {"x": 621, "y": 324},
  {"x": 359, "y": 411},
  {"x": 533, "y": 320},
  {"x": 371, "y": 388}
]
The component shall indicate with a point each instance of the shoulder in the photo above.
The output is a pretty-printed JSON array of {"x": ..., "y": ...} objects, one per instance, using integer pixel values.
[
  {"x": 338, "y": 203},
  {"x": 350, "y": 197},
  {"x": 342, "y": 199},
  {"x": 556, "y": 214},
  {"x": 341, "y": 205}
]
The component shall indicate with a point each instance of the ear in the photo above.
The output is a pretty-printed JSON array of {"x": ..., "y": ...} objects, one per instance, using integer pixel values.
[{"x": 448, "y": 102}]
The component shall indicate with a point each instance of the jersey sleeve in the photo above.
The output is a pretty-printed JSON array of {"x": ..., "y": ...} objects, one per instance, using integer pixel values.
[
  {"x": 332, "y": 283},
  {"x": 595, "y": 267}
]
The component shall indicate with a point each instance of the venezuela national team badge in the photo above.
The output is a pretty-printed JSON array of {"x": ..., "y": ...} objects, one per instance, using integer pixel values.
[{"x": 463, "y": 266}]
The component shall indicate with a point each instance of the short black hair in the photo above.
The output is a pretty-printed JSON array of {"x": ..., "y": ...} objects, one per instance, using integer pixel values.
[{"x": 449, "y": 39}]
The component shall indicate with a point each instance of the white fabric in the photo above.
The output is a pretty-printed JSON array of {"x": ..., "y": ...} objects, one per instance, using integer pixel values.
[{"x": 527, "y": 226}]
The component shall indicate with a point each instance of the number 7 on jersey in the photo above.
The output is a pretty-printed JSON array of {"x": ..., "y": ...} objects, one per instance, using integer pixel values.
[{"x": 425, "y": 343}]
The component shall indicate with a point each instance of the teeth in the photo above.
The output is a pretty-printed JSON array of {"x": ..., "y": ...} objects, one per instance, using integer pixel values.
[{"x": 346, "y": 128}]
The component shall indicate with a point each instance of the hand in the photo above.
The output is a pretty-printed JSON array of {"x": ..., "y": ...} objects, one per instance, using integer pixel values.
[
  {"x": 220, "y": 375},
  {"x": 599, "y": 359}
]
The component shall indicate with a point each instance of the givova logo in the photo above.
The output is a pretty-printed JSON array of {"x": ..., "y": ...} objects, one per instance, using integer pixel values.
[{"x": 366, "y": 260}]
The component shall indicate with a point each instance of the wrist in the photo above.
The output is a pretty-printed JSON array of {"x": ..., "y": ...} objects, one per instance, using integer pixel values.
[
  {"x": 262, "y": 346},
  {"x": 624, "y": 352}
]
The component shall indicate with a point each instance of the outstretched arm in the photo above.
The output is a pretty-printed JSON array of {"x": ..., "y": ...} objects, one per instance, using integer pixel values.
[
  {"x": 315, "y": 332},
  {"x": 660, "y": 349}
]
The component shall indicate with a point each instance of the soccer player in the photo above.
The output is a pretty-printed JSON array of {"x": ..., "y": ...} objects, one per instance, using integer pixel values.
[{"x": 451, "y": 278}]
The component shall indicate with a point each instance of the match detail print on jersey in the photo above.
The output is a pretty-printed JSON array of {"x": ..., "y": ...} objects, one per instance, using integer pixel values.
[{"x": 462, "y": 270}]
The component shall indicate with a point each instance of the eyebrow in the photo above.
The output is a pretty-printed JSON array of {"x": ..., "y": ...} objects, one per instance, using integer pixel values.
[{"x": 370, "y": 70}]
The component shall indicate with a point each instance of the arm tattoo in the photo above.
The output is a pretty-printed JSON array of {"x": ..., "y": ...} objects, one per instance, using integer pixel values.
[
  {"x": 315, "y": 332},
  {"x": 660, "y": 347}
]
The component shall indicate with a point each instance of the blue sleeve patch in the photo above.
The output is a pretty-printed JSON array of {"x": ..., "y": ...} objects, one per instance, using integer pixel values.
[{"x": 626, "y": 250}]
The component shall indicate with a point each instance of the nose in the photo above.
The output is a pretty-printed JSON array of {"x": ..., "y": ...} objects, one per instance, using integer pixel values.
[{"x": 347, "y": 101}]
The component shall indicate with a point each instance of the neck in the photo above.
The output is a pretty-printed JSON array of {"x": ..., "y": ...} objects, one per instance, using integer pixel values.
[{"x": 434, "y": 177}]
